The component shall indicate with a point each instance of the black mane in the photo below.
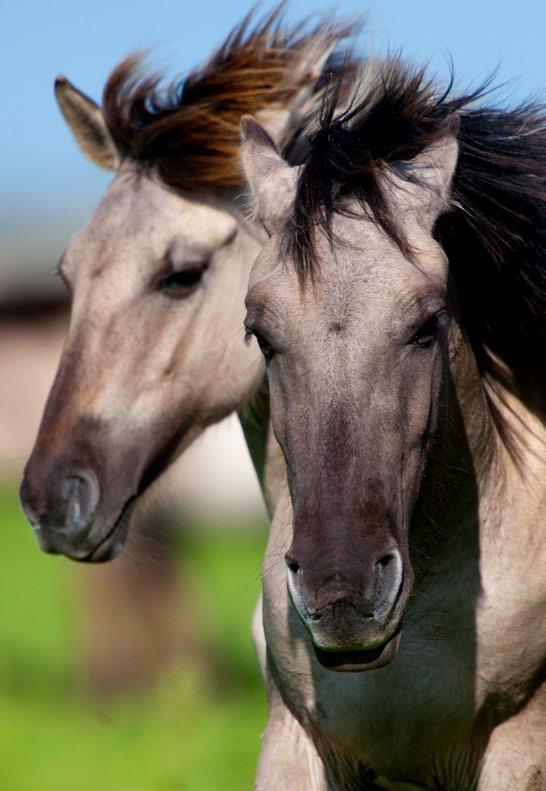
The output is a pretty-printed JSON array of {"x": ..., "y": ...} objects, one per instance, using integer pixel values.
[{"x": 495, "y": 231}]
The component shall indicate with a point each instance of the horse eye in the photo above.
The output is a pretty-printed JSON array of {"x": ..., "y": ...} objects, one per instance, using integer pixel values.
[
  {"x": 183, "y": 282},
  {"x": 265, "y": 347},
  {"x": 426, "y": 335}
]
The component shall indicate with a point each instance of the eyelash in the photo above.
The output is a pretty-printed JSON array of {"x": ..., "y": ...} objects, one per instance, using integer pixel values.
[
  {"x": 60, "y": 274},
  {"x": 427, "y": 333},
  {"x": 183, "y": 282},
  {"x": 265, "y": 347}
]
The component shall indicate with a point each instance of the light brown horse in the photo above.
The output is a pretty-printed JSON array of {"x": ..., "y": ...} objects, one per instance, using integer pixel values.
[
  {"x": 155, "y": 348},
  {"x": 400, "y": 307},
  {"x": 155, "y": 351}
]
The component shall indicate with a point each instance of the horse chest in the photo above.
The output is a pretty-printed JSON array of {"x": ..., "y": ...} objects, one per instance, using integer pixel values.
[
  {"x": 402, "y": 721},
  {"x": 416, "y": 720}
]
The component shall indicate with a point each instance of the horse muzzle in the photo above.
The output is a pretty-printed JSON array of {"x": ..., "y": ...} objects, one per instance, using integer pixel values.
[
  {"x": 65, "y": 513},
  {"x": 354, "y": 623}
]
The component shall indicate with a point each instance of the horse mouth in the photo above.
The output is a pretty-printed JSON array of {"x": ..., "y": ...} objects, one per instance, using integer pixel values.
[
  {"x": 112, "y": 544},
  {"x": 359, "y": 661}
]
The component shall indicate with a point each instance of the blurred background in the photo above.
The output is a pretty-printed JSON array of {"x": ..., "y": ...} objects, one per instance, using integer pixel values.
[{"x": 141, "y": 676}]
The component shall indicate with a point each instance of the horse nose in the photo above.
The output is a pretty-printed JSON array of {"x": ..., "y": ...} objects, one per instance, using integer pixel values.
[
  {"x": 291, "y": 563},
  {"x": 58, "y": 503},
  {"x": 81, "y": 496},
  {"x": 373, "y": 584}
]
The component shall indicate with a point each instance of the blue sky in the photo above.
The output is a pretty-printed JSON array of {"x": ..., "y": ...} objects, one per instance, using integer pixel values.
[{"x": 47, "y": 184}]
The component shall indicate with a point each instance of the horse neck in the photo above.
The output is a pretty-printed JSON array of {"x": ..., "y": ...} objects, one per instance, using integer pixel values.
[
  {"x": 264, "y": 450},
  {"x": 483, "y": 479}
]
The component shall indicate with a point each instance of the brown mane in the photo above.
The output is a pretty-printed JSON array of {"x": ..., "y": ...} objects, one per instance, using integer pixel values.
[{"x": 189, "y": 132}]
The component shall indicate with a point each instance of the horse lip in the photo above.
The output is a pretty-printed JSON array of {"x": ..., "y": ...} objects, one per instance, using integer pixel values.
[
  {"x": 111, "y": 545},
  {"x": 355, "y": 661}
]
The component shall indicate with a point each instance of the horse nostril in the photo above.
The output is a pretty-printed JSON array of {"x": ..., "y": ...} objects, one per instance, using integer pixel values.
[
  {"x": 388, "y": 581},
  {"x": 28, "y": 499},
  {"x": 385, "y": 560},
  {"x": 292, "y": 564},
  {"x": 81, "y": 493}
]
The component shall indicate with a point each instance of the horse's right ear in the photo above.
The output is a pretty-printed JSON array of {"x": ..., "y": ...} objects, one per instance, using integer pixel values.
[
  {"x": 87, "y": 124},
  {"x": 271, "y": 180}
]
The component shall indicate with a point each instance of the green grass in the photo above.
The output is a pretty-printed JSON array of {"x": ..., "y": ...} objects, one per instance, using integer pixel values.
[{"x": 185, "y": 735}]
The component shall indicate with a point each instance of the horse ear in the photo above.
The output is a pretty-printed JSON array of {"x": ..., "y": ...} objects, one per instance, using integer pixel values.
[
  {"x": 433, "y": 170},
  {"x": 271, "y": 180},
  {"x": 274, "y": 121},
  {"x": 87, "y": 124}
]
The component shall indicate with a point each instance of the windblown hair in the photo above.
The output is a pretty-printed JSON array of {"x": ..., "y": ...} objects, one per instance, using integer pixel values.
[
  {"x": 189, "y": 133},
  {"x": 494, "y": 233}
]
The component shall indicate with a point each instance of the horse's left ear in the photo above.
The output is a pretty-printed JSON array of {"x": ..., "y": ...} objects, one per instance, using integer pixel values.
[
  {"x": 433, "y": 171},
  {"x": 87, "y": 124},
  {"x": 271, "y": 180}
]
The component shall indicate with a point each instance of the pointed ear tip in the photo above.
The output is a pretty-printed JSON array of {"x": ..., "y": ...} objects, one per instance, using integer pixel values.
[
  {"x": 247, "y": 125},
  {"x": 454, "y": 124},
  {"x": 253, "y": 132},
  {"x": 61, "y": 82}
]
